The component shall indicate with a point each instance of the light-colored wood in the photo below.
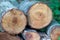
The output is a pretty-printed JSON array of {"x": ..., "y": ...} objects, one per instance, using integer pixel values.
[
  {"x": 14, "y": 21},
  {"x": 55, "y": 33},
  {"x": 39, "y": 16}
]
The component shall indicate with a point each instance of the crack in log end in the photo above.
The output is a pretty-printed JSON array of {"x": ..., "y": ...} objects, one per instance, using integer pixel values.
[{"x": 14, "y": 20}]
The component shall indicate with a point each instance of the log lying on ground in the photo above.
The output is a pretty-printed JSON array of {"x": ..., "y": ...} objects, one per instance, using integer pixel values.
[
  {"x": 14, "y": 21},
  {"x": 6, "y": 36},
  {"x": 39, "y": 16},
  {"x": 31, "y": 35},
  {"x": 55, "y": 33}
]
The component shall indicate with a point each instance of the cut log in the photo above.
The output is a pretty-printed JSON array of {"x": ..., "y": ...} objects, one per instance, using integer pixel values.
[
  {"x": 14, "y": 21},
  {"x": 31, "y": 35},
  {"x": 6, "y": 36},
  {"x": 39, "y": 16},
  {"x": 55, "y": 33}
]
